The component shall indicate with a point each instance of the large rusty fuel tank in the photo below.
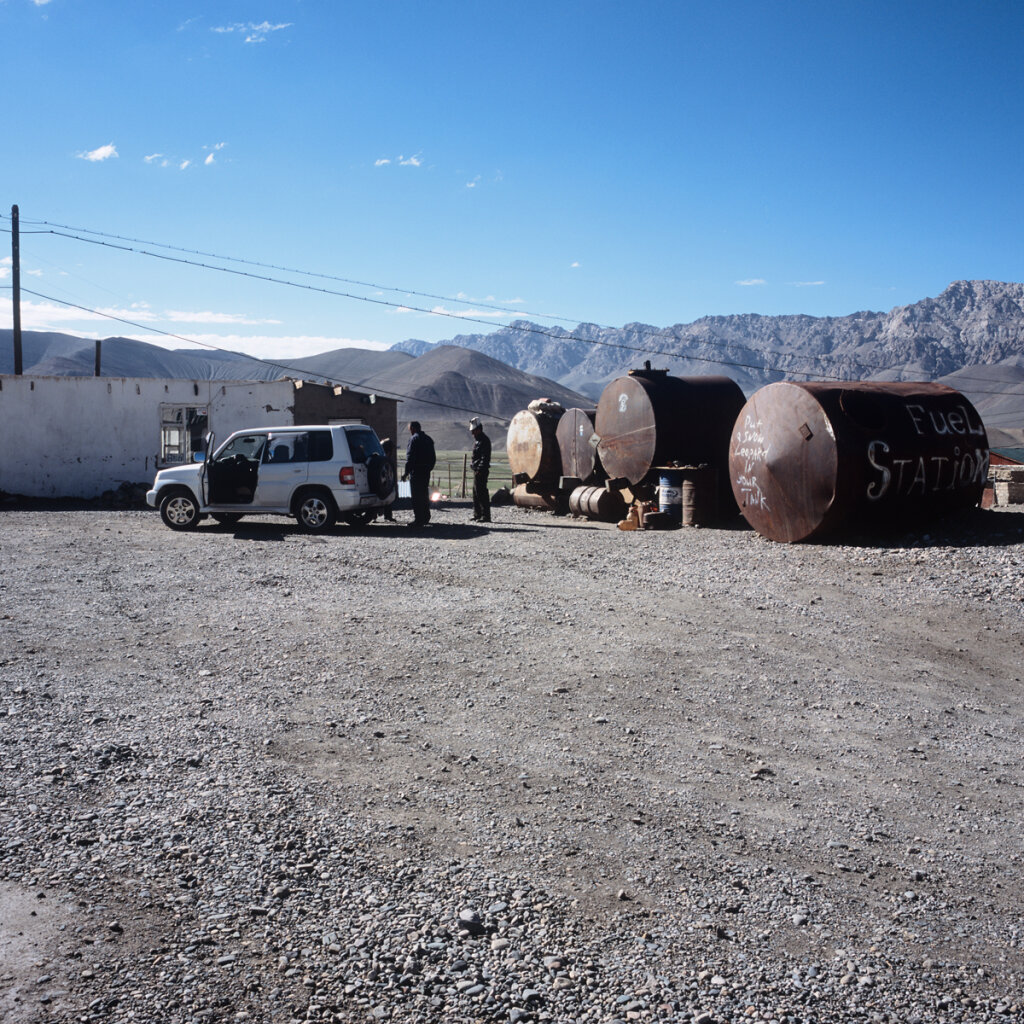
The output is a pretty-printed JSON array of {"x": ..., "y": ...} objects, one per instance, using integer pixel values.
[
  {"x": 577, "y": 444},
  {"x": 650, "y": 419},
  {"x": 810, "y": 460},
  {"x": 532, "y": 444}
]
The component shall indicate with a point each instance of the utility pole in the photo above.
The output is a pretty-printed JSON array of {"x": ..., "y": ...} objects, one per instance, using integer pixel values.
[{"x": 16, "y": 288}]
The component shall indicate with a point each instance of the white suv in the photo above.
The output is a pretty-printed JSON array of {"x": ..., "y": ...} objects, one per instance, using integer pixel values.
[{"x": 314, "y": 473}]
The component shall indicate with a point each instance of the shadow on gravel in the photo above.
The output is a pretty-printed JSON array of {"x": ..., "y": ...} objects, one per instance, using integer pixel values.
[
  {"x": 976, "y": 528},
  {"x": 449, "y": 531}
]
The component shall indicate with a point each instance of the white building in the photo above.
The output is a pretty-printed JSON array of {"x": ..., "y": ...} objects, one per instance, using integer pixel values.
[{"x": 80, "y": 436}]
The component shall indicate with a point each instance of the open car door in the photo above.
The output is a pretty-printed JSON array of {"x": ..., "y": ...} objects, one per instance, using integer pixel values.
[{"x": 204, "y": 469}]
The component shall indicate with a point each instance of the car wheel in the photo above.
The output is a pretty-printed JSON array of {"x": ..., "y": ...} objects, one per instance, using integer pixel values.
[
  {"x": 227, "y": 518},
  {"x": 360, "y": 517},
  {"x": 179, "y": 509},
  {"x": 380, "y": 474},
  {"x": 315, "y": 512}
]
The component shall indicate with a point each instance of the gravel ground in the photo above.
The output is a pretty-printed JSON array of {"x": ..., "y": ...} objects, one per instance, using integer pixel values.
[{"x": 545, "y": 771}]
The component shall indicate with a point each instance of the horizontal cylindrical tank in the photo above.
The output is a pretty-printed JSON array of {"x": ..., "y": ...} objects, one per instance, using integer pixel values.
[
  {"x": 577, "y": 444},
  {"x": 809, "y": 460},
  {"x": 649, "y": 420},
  {"x": 597, "y": 503},
  {"x": 524, "y": 497},
  {"x": 532, "y": 444}
]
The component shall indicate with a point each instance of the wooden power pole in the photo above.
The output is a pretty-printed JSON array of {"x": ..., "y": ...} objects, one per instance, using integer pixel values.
[{"x": 16, "y": 288}]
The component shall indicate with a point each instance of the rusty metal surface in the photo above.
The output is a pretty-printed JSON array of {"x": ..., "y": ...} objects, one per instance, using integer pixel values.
[
  {"x": 577, "y": 444},
  {"x": 524, "y": 497},
  {"x": 650, "y": 419},
  {"x": 532, "y": 447},
  {"x": 810, "y": 460},
  {"x": 597, "y": 503}
]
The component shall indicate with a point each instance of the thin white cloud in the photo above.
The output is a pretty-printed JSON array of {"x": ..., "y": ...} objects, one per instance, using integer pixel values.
[
  {"x": 808, "y": 284},
  {"x": 481, "y": 313},
  {"x": 208, "y": 317},
  {"x": 155, "y": 158},
  {"x": 47, "y": 316},
  {"x": 99, "y": 154},
  {"x": 382, "y": 162},
  {"x": 40, "y": 3},
  {"x": 254, "y": 33},
  {"x": 280, "y": 348},
  {"x": 184, "y": 165},
  {"x": 473, "y": 183},
  {"x": 208, "y": 160},
  {"x": 574, "y": 264},
  {"x": 411, "y": 161},
  {"x": 751, "y": 282}
]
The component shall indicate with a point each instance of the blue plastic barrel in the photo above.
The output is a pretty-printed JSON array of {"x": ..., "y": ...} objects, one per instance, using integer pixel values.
[{"x": 670, "y": 493}]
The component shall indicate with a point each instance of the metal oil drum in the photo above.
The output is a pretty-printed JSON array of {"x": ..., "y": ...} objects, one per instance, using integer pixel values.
[
  {"x": 597, "y": 503},
  {"x": 699, "y": 496},
  {"x": 649, "y": 419},
  {"x": 533, "y": 453},
  {"x": 810, "y": 460},
  {"x": 577, "y": 444}
]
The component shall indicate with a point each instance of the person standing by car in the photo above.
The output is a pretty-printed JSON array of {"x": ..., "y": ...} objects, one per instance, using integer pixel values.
[
  {"x": 389, "y": 453},
  {"x": 419, "y": 461},
  {"x": 480, "y": 461}
]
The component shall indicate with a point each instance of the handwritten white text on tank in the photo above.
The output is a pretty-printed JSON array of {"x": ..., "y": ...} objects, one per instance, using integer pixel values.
[
  {"x": 751, "y": 493},
  {"x": 942, "y": 422},
  {"x": 749, "y": 443},
  {"x": 924, "y": 473}
]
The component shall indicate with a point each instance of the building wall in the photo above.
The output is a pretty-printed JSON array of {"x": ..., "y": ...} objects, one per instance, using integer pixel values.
[
  {"x": 80, "y": 436},
  {"x": 322, "y": 403}
]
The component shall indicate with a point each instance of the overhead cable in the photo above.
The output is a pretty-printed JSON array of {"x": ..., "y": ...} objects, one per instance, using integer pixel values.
[{"x": 303, "y": 372}]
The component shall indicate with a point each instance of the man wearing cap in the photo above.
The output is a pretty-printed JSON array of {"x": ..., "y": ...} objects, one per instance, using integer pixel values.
[{"x": 480, "y": 461}]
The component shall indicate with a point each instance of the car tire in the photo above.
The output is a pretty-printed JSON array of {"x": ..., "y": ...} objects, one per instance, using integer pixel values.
[
  {"x": 380, "y": 474},
  {"x": 179, "y": 509},
  {"x": 315, "y": 511}
]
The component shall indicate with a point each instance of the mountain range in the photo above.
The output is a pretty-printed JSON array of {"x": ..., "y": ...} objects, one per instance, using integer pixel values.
[{"x": 971, "y": 337}]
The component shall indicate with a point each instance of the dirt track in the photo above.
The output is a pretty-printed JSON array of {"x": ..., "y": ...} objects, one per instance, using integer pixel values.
[{"x": 703, "y": 775}]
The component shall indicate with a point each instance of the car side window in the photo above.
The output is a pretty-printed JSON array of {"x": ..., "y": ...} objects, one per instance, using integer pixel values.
[
  {"x": 248, "y": 446},
  {"x": 320, "y": 446}
]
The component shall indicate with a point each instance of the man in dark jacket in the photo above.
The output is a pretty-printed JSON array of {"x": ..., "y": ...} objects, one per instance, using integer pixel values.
[
  {"x": 480, "y": 460},
  {"x": 419, "y": 461}
]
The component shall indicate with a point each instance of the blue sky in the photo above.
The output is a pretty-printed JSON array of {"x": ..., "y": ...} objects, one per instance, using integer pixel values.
[{"x": 602, "y": 162}]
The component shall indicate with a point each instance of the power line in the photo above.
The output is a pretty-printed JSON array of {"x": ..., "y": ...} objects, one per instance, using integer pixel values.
[
  {"x": 657, "y": 333},
  {"x": 293, "y": 270},
  {"x": 663, "y": 333},
  {"x": 267, "y": 362},
  {"x": 531, "y": 329}
]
